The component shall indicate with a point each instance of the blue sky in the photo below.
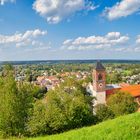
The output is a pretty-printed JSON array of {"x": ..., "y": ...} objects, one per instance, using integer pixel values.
[{"x": 72, "y": 29}]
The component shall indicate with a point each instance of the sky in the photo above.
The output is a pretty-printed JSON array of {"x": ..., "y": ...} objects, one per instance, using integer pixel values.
[{"x": 69, "y": 29}]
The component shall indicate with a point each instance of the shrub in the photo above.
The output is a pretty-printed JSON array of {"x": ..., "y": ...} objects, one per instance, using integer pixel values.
[
  {"x": 103, "y": 112},
  {"x": 122, "y": 103}
]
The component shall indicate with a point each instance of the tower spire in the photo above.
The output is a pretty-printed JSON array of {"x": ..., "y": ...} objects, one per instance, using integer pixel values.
[{"x": 99, "y": 66}]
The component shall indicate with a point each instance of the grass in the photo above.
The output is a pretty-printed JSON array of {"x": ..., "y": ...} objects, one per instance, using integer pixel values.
[{"x": 122, "y": 128}]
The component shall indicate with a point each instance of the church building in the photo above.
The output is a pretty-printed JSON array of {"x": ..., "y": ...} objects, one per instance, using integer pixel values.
[
  {"x": 99, "y": 83},
  {"x": 101, "y": 91}
]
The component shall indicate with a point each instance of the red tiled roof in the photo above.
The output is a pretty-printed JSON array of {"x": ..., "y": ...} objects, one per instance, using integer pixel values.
[
  {"x": 134, "y": 90},
  {"x": 124, "y": 84}
]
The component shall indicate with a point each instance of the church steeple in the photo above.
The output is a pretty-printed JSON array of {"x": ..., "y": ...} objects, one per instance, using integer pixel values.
[
  {"x": 99, "y": 77},
  {"x": 99, "y": 66},
  {"x": 99, "y": 83}
]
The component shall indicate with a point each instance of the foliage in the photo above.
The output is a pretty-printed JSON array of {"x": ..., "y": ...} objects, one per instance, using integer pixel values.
[
  {"x": 8, "y": 105},
  {"x": 122, "y": 103},
  {"x": 38, "y": 92},
  {"x": 114, "y": 78},
  {"x": 122, "y": 128},
  {"x": 25, "y": 111},
  {"x": 37, "y": 122},
  {"x": 103, "y": 112},
  {"x": 66, "y": 108},
  {"x": 15, "y": 104},
  {"x": 25, "y": 103}
]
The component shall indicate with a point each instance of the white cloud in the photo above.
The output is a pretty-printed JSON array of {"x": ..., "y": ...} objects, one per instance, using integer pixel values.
[
  {"x": 96, "y": 42},
  {"x": 55, "y": 11},
  {"x": 33, "y": 33},
  {"x": 29, "y": 38},
  {"x": 122, "y": 9},
  {"x": 137, "y": 45},
  {"x": 138, "y": 40},
  {"x": 38, "y": 49},
  {"x": 2, "y": 2}
]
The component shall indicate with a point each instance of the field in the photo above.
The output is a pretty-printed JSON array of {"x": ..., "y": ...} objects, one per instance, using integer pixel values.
[{"x": 122, "y": 128}]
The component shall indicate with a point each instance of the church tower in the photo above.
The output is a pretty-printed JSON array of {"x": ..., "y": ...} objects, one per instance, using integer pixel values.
[{"x": 99, "y": 83}]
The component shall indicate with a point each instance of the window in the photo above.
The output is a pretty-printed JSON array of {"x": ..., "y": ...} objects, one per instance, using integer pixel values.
[{"x": 100, "y": 77}]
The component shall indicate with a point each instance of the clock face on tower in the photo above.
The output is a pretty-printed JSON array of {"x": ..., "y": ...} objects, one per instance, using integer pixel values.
[{"x": 100, "y": 85}]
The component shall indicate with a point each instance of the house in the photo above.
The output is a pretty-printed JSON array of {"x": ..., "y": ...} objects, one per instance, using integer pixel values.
[{"x": 50, "y": 82}]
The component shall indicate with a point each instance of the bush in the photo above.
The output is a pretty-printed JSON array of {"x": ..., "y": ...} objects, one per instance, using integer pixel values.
[
  {"x": 122, "y": 103},
  {"x": 103, "y": 112}
]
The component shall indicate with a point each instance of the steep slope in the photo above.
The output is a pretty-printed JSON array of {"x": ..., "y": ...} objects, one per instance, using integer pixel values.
[{"x": 121, "y": 128}]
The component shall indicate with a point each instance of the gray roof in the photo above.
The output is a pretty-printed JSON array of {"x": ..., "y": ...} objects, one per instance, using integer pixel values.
[{"x": 99, "y": 66}]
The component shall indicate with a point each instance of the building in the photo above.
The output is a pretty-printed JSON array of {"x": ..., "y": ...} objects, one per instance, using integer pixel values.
[
  {"x": 50, "y": 82},
  {"x": 101, "y": 91},
  {"x": 99, "y": 83}
]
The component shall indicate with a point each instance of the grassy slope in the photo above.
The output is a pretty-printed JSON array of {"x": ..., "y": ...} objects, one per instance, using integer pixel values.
[{"x": 122, "y": 128}]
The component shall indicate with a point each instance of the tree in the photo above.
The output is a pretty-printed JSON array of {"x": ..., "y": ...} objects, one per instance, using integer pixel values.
[
  {"x": 15, "y": 104},
  {"x": 122, "y": 103},
  {"x": 72, "y": 109},
  {"x": 113, "y": 78},
  {"x": 8, "y": 103},
  {"x": 103, "y": 112},
  {"x": 66, "y": 108},
  {"x": 37, "y": 122},
  {"x": 29, "y": 78},
  {"x": 38, "y": 92},
  {"x": 25, "y": 100}
]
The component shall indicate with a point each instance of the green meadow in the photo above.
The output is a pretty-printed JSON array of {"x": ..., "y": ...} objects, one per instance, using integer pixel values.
[{"x": 122, "y": 128}]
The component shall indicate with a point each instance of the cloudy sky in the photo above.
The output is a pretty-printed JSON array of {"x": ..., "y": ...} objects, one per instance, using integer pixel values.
[{"x": 69, "y": 29}]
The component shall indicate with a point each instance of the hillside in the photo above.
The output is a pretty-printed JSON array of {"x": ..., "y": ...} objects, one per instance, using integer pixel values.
[{"x": 122, "y": 128}]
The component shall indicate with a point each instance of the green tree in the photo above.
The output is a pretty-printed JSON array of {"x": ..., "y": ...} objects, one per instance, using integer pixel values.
[
  {"x": 15, "y": 103},
  {"x": 113, "y": 78},
  {"x": 66, "y": 108},
  {"x": 122, "y": 103},
  {"x": 38, "y": 92},
  {"x": 103, "y": 112},
  {"x": 8, "y": 103},
  {"x": 25, "y": 102},
  {"x": 29, "y": 78},
  {"x": 37, "y": 123}
]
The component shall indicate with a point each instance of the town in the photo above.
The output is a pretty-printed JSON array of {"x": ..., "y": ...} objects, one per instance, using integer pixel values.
[
  {"x": 69, "y": 69},
  {"x": 50, "y": 76}
]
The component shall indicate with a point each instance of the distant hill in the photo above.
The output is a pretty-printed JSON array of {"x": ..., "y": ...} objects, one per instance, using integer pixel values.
[
  {"x": 122, "y": 128},
  {"x": 51, "y": 62}
]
